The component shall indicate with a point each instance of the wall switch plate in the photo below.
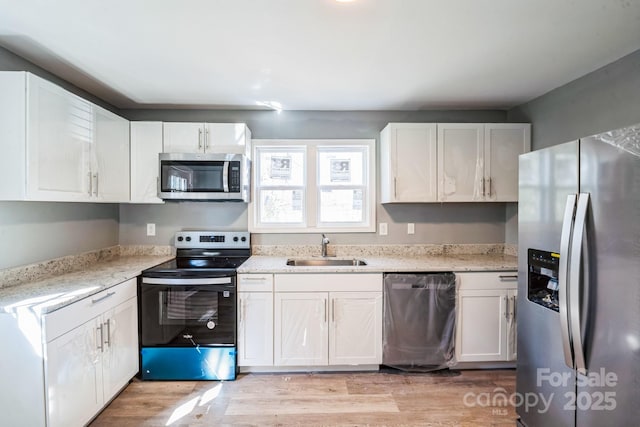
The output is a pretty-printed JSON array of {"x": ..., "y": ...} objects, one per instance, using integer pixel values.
[
  {"x": 411, "y": 228},
  {"x": 382, "y": 229},
  {"x": 151, "y": 229}
]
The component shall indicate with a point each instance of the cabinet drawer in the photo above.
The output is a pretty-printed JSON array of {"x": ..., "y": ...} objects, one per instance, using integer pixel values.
[
  {"x": 329, "y": 282},
  {"x": 255, "y": 282},
  {"x": 488, "y": 280},
  {"x": 74, "y": 315}
]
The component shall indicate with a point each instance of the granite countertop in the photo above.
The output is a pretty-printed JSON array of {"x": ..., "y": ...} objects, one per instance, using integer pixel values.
[
  {"x": 50, "y": 293},
  {"x": 388, "y": 264}
]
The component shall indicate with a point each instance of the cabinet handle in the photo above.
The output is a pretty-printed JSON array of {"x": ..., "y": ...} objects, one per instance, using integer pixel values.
[
  {"x": 506, "y": 308},
  {"x": 200, "y": 139},
  {"x": 261, "y": 279},
  {"x": 110, "y": 294},
  {"x": 395, "y": 187},
  {"x": 206, "y": 139},
  {"x": 483, "y": 192},
  {"x": 90, "y": 184},
  {"x": 108, "y": 340},
  {"x": 325, "y": 310},
  {"x": 240, "y": 308},
  {"x": 333, "y": 310},
  {"x": 100, "y": 346},
  {"x": 489, "y": 193},
  {"x": 95, "y": 176},
  {"x": 513, "y": 308},
  {"x": 508, "y": 277}
]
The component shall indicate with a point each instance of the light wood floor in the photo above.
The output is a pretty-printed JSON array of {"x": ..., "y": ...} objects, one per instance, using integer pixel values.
[{"x": 319, "y": 399}]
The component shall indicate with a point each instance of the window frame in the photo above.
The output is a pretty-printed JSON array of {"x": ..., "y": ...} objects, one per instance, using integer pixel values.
[{"x": 311, "y": 212}]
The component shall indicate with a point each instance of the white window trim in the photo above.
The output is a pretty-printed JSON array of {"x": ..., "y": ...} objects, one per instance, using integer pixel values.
[{"x": 311, "y": 193}]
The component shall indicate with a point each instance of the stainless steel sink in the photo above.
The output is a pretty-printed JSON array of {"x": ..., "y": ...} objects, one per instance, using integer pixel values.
[{"x": 324, "y": 262}]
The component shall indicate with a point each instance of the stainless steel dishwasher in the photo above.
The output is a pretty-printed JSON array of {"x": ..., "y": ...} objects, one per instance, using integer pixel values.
[{"x": 419, "y": 321}]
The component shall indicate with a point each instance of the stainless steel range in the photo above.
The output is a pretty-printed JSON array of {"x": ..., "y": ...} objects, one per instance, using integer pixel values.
[{"x": 187, "y": 308}]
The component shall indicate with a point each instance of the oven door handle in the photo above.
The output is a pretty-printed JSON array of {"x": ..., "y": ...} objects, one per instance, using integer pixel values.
[{"x": 187, "y": 281}]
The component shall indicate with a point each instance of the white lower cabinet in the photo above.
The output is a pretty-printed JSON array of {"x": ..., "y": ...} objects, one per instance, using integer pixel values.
[
  {"x": 486, "y": 318},
  {"x": 255, "y": 320},
  {"x": 327, "y": 319},
  {"x": 71, "y": 362}
]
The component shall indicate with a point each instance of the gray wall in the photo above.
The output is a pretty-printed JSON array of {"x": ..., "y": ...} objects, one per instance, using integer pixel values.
[
  {"x": 605, "y": 99},
  {"x": 434, "y": 223},
  {"x": 35, "y": 231}
]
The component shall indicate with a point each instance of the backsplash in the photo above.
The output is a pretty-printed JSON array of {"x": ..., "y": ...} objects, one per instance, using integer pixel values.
[{"x": 384, "y": 250}]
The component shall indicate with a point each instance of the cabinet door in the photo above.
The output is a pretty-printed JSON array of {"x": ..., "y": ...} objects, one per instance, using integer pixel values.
[
  {"x": 146, "y": 144},
  {"x": 408, "y": 163},
  {"x": 255, "y": 329},
  {"x": 59, "y": 139},
  {"x": 355, "y": 335},
  {"x": 503, "y": 143},
  {"x": 74, "y": 376},
  {"x": 512, "y": 326},
  {"x": 183, "y": 137},
  {"x": 225, "y": 138},
  {"x": 481, "y": 325},
  {"x": 120, "y": 343},
  {"x": 301, "y": 332},
  {"x": 111, "y": 157},
  {"x": 460, "y": 162}
]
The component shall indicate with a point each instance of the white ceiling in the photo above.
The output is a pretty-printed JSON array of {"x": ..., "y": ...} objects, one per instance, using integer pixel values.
[{"x": 320, "y": 54}]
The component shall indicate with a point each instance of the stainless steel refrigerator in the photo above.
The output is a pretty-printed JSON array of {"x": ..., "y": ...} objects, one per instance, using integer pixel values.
[{"x": 579, "y": 283}]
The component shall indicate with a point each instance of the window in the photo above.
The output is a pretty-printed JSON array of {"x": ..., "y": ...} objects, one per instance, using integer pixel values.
[{"x": 313, "y": 185}]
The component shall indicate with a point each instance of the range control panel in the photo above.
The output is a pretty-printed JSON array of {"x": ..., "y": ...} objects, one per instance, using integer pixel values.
[{"x": 212, "y": 239}]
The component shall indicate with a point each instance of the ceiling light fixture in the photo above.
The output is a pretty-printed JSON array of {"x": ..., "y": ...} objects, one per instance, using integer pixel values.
[{"x": 274, "y": 105}]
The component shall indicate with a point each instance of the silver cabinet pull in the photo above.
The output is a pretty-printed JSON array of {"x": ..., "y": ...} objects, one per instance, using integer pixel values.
[
  {"x": 200, "y": 139},
  {"x": 108, "y": 325},
  {"x": 508, "y": 277},
  {"x": 325, "y": 310},
  {"x": 506, "y": 308},
  {"x": 96, "y": 300},
  {"x": 489, "y": 193},
  {"x": 395, "y": 187},
  {"x": 206, "y": 139},
  {"x": 240, "y": 308},
  {"x": 100, "y": 346},
  {"x": 95, "y": 176},
  {"x": 90, "y": 184}
]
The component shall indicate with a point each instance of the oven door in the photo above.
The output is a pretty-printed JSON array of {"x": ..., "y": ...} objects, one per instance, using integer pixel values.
[{"x": 185, "y": 312}]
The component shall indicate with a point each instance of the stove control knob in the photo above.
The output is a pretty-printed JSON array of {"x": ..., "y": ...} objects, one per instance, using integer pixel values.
[
  {"x": 211, "y": 324},
  {"x": 180, "y": 238},
  {"x": 188, "y": 239},
  {"x": 244, "y": 239},
  {"x": 235, "y": 239}
]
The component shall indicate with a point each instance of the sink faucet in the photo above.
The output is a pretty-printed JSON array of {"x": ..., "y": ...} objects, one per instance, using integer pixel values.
[{"x": 325, "y": 242}]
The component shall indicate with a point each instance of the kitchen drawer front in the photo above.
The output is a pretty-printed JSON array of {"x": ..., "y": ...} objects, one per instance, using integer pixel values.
[
  {"x": 255, "y": 282},
  {"x": 488, "y": 280},
  {"x": 74, "y": 315},
  {"x": 328, "y": 282}
]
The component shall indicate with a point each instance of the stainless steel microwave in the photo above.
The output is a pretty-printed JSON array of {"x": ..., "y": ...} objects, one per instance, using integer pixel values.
[{"x": 204, "y": 177}]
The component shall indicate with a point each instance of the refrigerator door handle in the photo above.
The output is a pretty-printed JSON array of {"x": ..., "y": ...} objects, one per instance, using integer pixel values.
[
  {"x": 563, "y": 278},
  {"x": 578, "y": 241}
]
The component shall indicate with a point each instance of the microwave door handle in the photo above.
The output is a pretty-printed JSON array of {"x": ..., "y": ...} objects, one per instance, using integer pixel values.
[
  {"x": 578, "y": 242},
  {"x": 563, "y": 278},
  {"x": 225, "y": 177}
]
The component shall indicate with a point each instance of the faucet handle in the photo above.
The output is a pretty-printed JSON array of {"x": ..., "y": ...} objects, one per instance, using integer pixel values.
[{"x": 325, "y": 239}]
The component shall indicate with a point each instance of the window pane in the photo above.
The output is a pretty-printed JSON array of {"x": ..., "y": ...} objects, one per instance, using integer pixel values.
[
  {"x": 341, "y": 166},
  {"x": 281, "y": 206},
  {"x": 340, "y": 206},
  {"x": 281, "y": 167}
]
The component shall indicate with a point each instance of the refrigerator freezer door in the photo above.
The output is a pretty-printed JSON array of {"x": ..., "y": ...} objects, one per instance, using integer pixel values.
[
  {"x": 547, "y": 177},
  {"x": 610, "y": 173}
]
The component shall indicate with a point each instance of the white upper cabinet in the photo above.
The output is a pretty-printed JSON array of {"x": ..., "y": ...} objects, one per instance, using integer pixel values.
[
  {"x": 110, "y": 167},
  {"x": 57, "y": 146},
  {"x": 146, "y": 144},
  {"x": 226, "y": 138},
  {"x": 503, "y": 143},
  {"x": 479, "y": 162},
  {"x": 408, "y": 163},
  {"x": 460, "y": 158}
]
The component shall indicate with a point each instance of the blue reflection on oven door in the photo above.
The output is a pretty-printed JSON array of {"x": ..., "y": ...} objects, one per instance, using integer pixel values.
[{"x": 188, "y": 363}]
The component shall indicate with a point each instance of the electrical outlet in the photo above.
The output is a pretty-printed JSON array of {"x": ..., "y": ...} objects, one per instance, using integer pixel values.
[
  {"x": 151, "y": 229},
  {"x": 382, "y": 229},
  {"x": 411, "y": 228}
]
